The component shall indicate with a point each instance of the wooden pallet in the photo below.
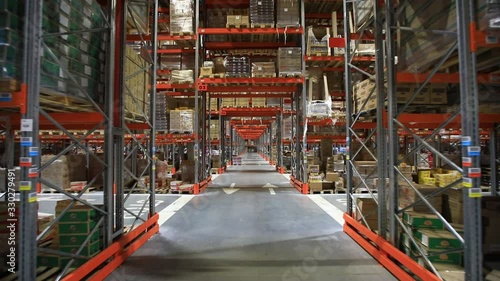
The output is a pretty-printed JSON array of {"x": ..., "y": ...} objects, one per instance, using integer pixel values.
[
  {"x": 184, "y": 191},
  {"x": 237, "y": 25},
  {"x": 190, "y": 33},
  {"x": 290, "y": 75},
  {"x": 215, "y": 75},
  {"x": 264, "y": 75},
  {"x": 238, "y": 75},
  {"x": 325, "y": 191},
  {"x": 162, "y": 190},
  {"x": 63, "y": 103},
  {"x": 262, "y": 25},
  {"x": 181, "y": 82},
  {"x": 181, "y": 132},
  {"x": 317, "y": 54},
  {"x": 9, "y": 85}
]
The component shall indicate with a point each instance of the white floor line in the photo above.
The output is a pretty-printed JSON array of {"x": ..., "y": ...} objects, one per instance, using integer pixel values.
[
  {"x": 272, "y": 191},
  {"x": 287, "y": 176},
  {"x": 171, "y": 209},
  {"x": 215, "y": 176},
  {"x": 233, "y": 185},
  {"x": 331, "y": 210}
]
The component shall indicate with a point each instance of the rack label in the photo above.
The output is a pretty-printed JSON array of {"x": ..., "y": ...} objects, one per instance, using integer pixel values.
[
  {"x": 32, "y": 197},
  {"x": 474, "y": 150},
  {"x": 475, "y": 193},
  {"x": 467, "y": 161},
  {"x": 466, "y": 141},
  {"x": 5, "y": 97},
  {"x": 26, "y": 141},
  {"x": 26, "y": 125},
  {"x": 474, "y": 172},
  {"x": 24, "y": 185},
  {"x": 467, "y": 182},
  {"x": 25, "y": 162},
  {"x": 32, "y": 172},
  {"x": 33, "y": 151}
]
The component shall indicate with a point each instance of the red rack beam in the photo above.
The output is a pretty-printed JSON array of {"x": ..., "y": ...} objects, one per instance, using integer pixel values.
[
  {"x": 162, "y": 86},
  {"x": 250, "y": 95},
  {"x": 179, "y": 94},
  {"x": 251, "y": 122},
  {"x": 240, "y": 89},
  {"x": 246, "y": 45},
  {"x": 275, "y": 80},
  {"x": 452, "y": 78},
  {"x": 147, "y": 37},
  {"x": 175, "y": 51},
  {"x": 292, "y": 30},
  {"x": 339, "y": 58},
  {"x": 164, "y": 71}
]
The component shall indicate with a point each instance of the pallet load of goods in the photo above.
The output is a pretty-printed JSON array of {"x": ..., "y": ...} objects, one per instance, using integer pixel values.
[
  {"x": 182, "y": 121},
  {"x": 290, "y": 62},
  {"x": 181, "y": 17},
  {"x": 136, "y": 87}
]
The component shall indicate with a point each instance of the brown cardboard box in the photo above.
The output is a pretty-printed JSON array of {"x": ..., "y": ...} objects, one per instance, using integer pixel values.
[
  {"x": 314, "y": 169},
  {"x": 205, "y": 71},
  {"x": 408, "y": 196},
  {"x": 367, "y": 208},
  {"x": 333, "y": 177},
  {"x": 315, "y": 186}
]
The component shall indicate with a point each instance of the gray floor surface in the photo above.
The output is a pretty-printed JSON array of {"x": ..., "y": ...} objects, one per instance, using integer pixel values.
[{"x": 251, "y": 234}]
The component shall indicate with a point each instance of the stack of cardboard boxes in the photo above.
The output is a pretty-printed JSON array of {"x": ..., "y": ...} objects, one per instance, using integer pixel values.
[
  {"x": 237, "y": 66},
  {"x": 428, "y": 231},
  {"x": 242, "y": 102},
  {"x": 258, "y": 102},
  {"x": 366, "y": 212},
  {"x": 214, "y": 129},
  {"x": 262, "y": 13},
  {"x": 237, "y": 21},
  {"x": 74, "y": 227},
  {"x": 288, "y": 13},
  {"x": 228, "y": 102},
  {"x": 181, "y": 17},
  {"x": 290, "y": 62},
  {"x": 181, "y": 121},
  {"x": 263, "y": 69}
]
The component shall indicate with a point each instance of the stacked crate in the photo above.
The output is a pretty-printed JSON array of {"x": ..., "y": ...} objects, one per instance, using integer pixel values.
[
  {"x": 213, "y": 104},
  {"x": 261, "y": 13},
  {"x": 228, "y": 102},
  {"x": 237, "y": 66},
  {"x": 428, "y": 231},
  {"x": 290, "y": 62},
  {"x": 242, "y": 102},
  {"x": 181, "y": 17},
  {"x": 288, "y": 13},
  {"x": 214, "y": 129},
  {"x": 161, "y": 112},
  {"x": 83, "y": 55},
  {"x": 258, "y": 102},
  {"x": 11, "y": 26},
  {"x": 136, "y": 87},
  {"x": 263, "y": 69},
  {"x": 181, "y": 121},
  {"x": 74, "y": 227}
]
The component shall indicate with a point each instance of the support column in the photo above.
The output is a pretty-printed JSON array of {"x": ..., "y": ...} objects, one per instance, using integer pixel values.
[
  {"x": 349, "y": 105},
  {"x": 494, "y": 162}
]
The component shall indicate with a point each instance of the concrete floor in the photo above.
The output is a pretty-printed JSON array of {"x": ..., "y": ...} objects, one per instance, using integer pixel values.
[{"x": 252, "y": 225}]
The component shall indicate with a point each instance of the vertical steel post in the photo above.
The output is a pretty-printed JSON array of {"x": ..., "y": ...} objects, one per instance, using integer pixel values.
[
  {"x": 279, "y": 133},
  {"x": 302, "y": 107},
  {"x": 197, "y": 94},
  {"x": 381, "y": 136},
  {"x": 470, "y": 128},
  {"x": 494, "y": 162},
  {"x": 152, "y": 109},
  {"x": 231, "y": 143},
  {"x": 349, "y": 104},
  {"x": 392, "y": 112},
  {"x": 26, "y": 262}
]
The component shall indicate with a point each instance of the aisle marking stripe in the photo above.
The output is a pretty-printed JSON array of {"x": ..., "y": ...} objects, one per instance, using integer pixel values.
[
  {"x": 330, "y": 209},
  {"x": 233, "y": 185},
  {"x": 272, "y": 191},
  {"x": 171, "y": 209}
]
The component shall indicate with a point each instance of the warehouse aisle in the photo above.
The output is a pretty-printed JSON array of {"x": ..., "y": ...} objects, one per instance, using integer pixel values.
[{"x": 248, "y": 232}]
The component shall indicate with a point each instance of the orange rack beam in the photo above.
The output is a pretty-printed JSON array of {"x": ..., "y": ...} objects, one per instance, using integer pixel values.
[
  {"x": 250, "y": 112},
  {"x": 117, "y": 253},
  {"x": 251, "y": 122},
  {"x": 246, "y": 45},
  {"x": 252, "y": 80},
  {"x": 200, "y": 187},
  {"x": 292, "y": 30},
  {"x": 338, "y": 58},
  {"x": 452, "y": 78},
  {"x": 300, "y": 186},
  {"x": 384, "y": 252},
  {"x": 251, "y": 95},
  {"x": 19, "y": 100},
  {"x": 168, "y": 86},
  {"x": 175, "y": 51},
  {"x": 147, "y": 37},
  {"x": 245, "y": 89}
]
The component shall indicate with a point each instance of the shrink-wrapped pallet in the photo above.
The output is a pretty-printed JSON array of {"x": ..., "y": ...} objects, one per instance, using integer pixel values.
[
  {"x": 181, "y": 121},
  {"x": 290, "y": 61},
  {"x": 288, "y": 13},
  {"x": 181, "y": 17}
]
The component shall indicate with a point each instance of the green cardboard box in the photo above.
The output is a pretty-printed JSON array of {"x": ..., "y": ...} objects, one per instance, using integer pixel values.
[
  {"x": 79, "y": 215},
  {"x": 89, "y": 250},
  {"x": 437, "y": 239},
  {"x": 76, "y": 227},
  {"x": 78, "y": 239},
  {"x": 420, "y": 220}
]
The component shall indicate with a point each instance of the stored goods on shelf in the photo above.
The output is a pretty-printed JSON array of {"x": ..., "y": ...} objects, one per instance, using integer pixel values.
[
  {"x": 214, "y": 104},
  {"x": 259, "y": 102},
  {"x": 317, "y": 47},
  {"x": 161, "y": 112},
  {"x": 290, "y": 61},
  {"x": 181, "y": 121},
  {"x": 214, "y": 129},
  {"x": 422, "y": 221},
  {"x": 63, "y": 171},
  {"x": 136, "y": 86},
  {"x": 228, "y": 102},
  {"x": 263, "y": 69},
  {"x": 181, "y": 17},
  {"x": 366, "y": 212},
  {"x": 420, "y": 53},
  {"x": 182, "y": 76},
  {"x": 262, "y": 13},
  {"x": 288, "y": 13},
  {"x": 237, "y": 21},
  {"x": 363, "y": 11},
  {"x": 408, "y": 196},
  {"x": 206, "y": 71},
  {"x": 319, "y": 108},
  {"x": 237, "y": 66}
]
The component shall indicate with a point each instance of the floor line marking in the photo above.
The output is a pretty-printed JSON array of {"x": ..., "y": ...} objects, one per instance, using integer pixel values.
[
  {"x": 272, "y": 191},
  {"x": 173, "y": 208},
  {"x": 233, "y": 185},
  {"x": 330, "y": 209}
]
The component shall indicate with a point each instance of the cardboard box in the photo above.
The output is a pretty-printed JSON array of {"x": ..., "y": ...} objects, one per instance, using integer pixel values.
[
  {"x": 333, "y": 177},
  {"x": 437, "y": 239},
  {"x": 367, "y": 208},
  {"x": 313, "y": 169},
  {"x": 422, "y": 221},
  {"x": 315, "y": 186},
  {"x": 206, "y": 71}
]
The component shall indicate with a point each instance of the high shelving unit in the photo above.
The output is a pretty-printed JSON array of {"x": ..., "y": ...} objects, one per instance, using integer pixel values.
[
  {"x": 84, "y": 122},
  {"x": 401, "y": 130}
]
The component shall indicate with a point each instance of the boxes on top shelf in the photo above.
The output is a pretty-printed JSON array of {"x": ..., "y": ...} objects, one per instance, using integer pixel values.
[
  {"x": 261, "y": 13},
  {"x": 290, "y": 62},
  {"x": 288, "y": 13},
  {"x": 181, "y": 17}
]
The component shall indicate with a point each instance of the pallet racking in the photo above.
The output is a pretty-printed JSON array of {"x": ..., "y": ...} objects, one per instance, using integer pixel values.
[{"x": 396, "y": 125}]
